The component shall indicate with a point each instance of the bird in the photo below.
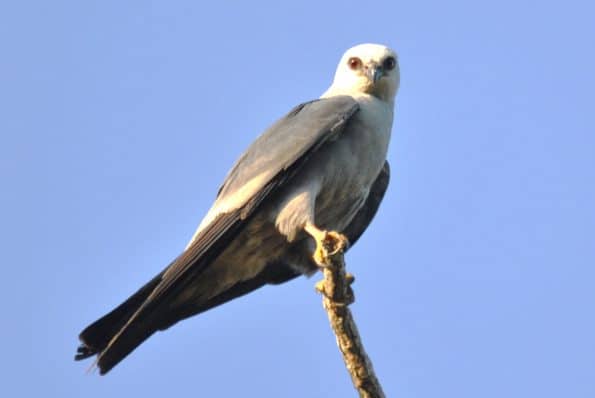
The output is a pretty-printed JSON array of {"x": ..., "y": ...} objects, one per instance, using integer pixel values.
[{"x": 314, "y": 178}]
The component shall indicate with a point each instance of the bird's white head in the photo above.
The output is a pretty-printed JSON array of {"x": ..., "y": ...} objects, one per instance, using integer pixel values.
[{"x": 367, "y": 68}]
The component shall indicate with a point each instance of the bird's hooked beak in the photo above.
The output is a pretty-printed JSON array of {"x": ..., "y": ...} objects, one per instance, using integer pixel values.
[{"x": 374, "y": 72}]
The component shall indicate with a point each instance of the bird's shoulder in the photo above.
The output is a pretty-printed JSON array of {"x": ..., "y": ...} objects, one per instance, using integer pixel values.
[{"x": 289, "y": 138}]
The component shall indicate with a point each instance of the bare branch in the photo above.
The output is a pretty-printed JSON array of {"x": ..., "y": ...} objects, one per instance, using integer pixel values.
[{"x": 337, "y": 295}]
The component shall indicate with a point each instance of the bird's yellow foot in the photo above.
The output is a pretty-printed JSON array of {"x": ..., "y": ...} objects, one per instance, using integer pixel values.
[{"x": 328, "y": 243}]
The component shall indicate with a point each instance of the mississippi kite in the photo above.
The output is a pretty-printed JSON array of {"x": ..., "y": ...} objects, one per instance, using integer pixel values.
[{"x": 317, "y": 174}]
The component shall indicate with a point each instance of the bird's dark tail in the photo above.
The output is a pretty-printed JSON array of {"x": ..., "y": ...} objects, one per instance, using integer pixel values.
[
  {"x": 113, "y": 337},
  {"x": 96, "y": 337}
]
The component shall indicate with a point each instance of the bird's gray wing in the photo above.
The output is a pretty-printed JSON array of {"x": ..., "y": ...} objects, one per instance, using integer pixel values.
[
  {"x": 291, "y": 139},
  {"x": 279, "y": 154}
]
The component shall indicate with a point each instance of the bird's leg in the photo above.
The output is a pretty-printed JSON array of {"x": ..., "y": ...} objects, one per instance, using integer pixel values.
[{"x": 328, "y": 243}]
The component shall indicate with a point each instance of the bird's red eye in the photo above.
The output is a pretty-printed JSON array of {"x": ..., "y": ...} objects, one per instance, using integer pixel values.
[
  {"x": 389, "y": 63},
  {"x": 354, "y": 63}
]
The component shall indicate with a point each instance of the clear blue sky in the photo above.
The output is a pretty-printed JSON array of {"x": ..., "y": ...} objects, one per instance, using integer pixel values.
[{"x": 119, "y": 120}]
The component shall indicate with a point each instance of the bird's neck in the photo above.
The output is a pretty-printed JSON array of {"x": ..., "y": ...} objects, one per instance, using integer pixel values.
[{"x": 334, "y": 92}]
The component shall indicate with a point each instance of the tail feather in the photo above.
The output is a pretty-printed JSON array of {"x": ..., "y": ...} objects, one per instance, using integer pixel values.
[
  {"x": 95, "y": 337},
  {"x": 113, "y": 337},
  {"x": 123, "y": 345}
]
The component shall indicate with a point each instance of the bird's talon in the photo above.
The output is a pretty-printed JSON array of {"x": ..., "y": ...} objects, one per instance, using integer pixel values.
[
  {"x": 330, "y": 244},
  {"x": 320, "y": 257},
  {"x": 334, "y": 242}
]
